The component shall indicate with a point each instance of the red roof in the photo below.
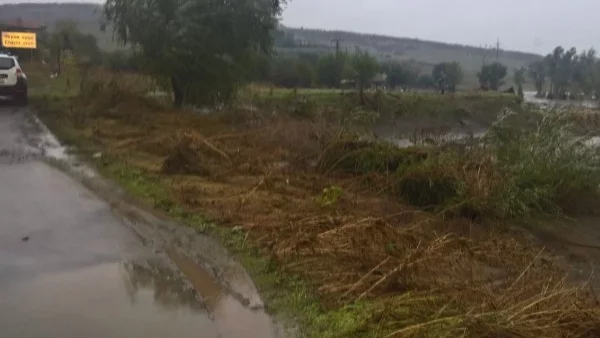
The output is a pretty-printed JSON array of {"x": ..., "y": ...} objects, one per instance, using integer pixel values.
[{"x": 19, "y": 23}]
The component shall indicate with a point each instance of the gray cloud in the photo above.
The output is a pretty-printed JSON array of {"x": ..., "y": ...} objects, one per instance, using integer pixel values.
[{"x": 527, "y": 25}]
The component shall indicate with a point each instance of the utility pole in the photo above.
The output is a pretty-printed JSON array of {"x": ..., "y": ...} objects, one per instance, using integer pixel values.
[
  {"x": 486, "y": 53},
  {"x": 497, "y": 49},
  {"x": 337, "y": 42}
]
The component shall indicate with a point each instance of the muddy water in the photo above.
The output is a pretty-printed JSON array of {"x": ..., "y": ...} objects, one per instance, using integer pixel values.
[
  {"x": 71, "y": 267},
  {"x": 232, "y": 318},
  {"x": 531, "y": 98},
  {"x": 103, "y": 300}
]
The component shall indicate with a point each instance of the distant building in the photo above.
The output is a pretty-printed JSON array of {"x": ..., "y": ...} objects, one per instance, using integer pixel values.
[
  {"x": 379, "y": 80},
  {"x": 21, "y": 25},
  {"x": 348, "y": 83}
]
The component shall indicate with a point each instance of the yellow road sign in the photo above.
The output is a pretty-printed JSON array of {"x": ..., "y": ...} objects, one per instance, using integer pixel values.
[{"x": 19, "y": 40}]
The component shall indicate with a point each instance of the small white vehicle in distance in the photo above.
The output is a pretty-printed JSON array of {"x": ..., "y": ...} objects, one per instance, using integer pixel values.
[{"x": 13, "y": 81}]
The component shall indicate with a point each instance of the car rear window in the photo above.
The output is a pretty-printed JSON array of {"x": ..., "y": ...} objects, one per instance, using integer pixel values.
[{"x": 6, "y": 63}]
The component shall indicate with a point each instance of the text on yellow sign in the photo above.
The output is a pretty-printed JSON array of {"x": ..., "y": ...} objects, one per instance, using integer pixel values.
[{"x": 19, "y": 40}]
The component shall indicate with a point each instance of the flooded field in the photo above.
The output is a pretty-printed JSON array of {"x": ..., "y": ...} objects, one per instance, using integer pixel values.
[{"x": 531, "y": 98}]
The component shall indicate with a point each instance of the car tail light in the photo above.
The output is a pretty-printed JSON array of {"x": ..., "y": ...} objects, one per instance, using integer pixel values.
[{"x": 19, "y": 72}]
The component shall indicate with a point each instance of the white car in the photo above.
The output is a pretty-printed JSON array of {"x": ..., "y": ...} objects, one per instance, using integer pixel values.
[{"x": 13, "y": 81}]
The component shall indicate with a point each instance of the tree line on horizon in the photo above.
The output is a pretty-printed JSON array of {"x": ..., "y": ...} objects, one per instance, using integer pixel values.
[
  {"x": 206, "y": 69},
  {"x": 565, "y": 74}
]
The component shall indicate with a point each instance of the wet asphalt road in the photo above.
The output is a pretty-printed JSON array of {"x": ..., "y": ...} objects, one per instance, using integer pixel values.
[{"x": 68, "y": 267}]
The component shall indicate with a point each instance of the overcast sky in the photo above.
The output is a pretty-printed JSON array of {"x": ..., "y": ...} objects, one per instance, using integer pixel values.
[{"x": 527, "y": 25}]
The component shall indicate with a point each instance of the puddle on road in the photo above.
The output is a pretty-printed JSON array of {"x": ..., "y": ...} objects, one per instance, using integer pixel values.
[
  {"x": 128, "y": 300},
  {"x": 231, "y": 317},
  {"x": 124, "y": 299}
]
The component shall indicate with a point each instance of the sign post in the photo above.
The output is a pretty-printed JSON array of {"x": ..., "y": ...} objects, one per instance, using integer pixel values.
[{"x": 19, "y": 40}]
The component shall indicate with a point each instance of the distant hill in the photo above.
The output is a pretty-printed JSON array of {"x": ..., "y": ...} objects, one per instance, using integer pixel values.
[{"x": 426, "y": 53}]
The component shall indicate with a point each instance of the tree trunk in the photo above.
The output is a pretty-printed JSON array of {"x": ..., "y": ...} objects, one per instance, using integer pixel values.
[
  {"x": 59, "y": 61},
  {"x": 177, "y": 92}
]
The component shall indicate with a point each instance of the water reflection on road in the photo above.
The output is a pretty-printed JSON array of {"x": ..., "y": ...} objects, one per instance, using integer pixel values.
[
  {"x": 231, "y": 317},
  {"x": 105, "y": 300}
]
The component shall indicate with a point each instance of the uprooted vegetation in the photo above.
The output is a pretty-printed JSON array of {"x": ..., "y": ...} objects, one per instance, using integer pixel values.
[{"x": 409, "y": 242}]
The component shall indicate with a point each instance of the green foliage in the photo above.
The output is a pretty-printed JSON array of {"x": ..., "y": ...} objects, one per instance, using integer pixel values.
[
  {"x": 545, "y": 164},
  {"x": 492, "y": 76},
  {"x": 292, "y": 73},
  {"x": 447, "y": 75},
  {"x": 568, "y": 75},
  {"x": 586, "y": 73},
  {"x": 560, "y": 66},
  {"x": 413, "y": 109},
  {"x": 428, "y": 187},
  {"x": 317, "y": 41},
  {"x": 401, "y": 73},
  {"x": 365, "y": 66},
  {"x": 363, "y": 157},
  {"x": 331, "y": 68},
  {"x": 67, "y": 37},
  {"x": 537, "y": 73},
  {"x": 364, "y": 118},
  {"x": 427, "y": 53},
  {"x": 426, "y": 81},
  {"x": 519, "y": 79},
  {"x": 330, "y": 196},
  {"x": 284, "y": 39},
  {"x": 528, "y": 164},
  {"x": 262, "y": 67},
  {"x": 202, "y": 48},
  {"x": 120, "y": 61}
]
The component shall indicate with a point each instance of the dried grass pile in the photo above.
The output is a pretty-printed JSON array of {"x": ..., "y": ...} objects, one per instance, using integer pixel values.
[{"x": 353, "y": 219}]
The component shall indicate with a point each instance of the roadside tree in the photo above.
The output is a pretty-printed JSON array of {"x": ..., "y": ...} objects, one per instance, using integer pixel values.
[
  {"x": 365, "y": 66},
  {"x": 330, "y": 69},
  {"x": 492, "y": 76},
  {"x": 537, "y": 73},
  {"x": 400, "y": 73},
  {"x": 201, "y": 49},
  {"x": 519, "y": 79},
  {"x": 292, "y": 73},
  {"x": 447, "y": 75}
]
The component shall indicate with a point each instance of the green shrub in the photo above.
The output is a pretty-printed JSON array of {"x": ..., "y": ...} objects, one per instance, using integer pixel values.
[
  {"x": 428, "y": 188},
  {"x": 363, "y": 157},
  {"x": 545, "y": 164},
  {"x": 330, "y": 196},
  {"x": 528, "y": 164}
]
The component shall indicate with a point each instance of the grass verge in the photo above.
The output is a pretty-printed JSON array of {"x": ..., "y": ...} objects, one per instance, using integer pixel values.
[
  {"x": 287, "y": 295},
  {"x": 370, "y": 261}
]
